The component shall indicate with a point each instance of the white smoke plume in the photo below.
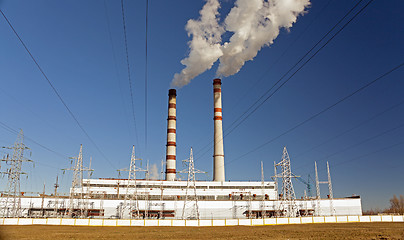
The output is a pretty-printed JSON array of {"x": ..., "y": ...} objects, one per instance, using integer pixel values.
[
  {"x": 154, "y": 172},
  {"x": 204, "y": 46},
  {"x": 254, "y": 24}
]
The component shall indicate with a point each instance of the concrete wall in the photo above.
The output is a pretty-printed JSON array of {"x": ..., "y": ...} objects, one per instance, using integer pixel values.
[{"x": 196, "y": 223}]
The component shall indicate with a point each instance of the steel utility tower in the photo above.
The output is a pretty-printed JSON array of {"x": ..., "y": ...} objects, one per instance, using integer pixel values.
[
  {"x": 133, "y": 206},
  {"x": 11, "y": 202},
  {"x": 287, "y": 207},
  {"x": 77, "y": 183},
  {"x": 328, "y": 182},
  {"x": 191, "y": 185}
]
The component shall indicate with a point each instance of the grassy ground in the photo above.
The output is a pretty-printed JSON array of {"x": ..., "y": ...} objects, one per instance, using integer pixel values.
[{"x": 306, "y": 231}]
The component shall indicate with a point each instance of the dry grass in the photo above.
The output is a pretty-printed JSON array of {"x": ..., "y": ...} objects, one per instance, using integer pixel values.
[{"x": 307, "y": 231}]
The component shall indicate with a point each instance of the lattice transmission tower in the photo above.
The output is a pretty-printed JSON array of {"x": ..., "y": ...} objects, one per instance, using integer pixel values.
[
  {"x": 133, "y": 197},
  {"x": 81, "y": 207},
  {"x": 330, "y": 192},
  {"x": 287, "y": 206},
  {"x": 191, "y": 199},
  {"x": 11, "y": 202}
]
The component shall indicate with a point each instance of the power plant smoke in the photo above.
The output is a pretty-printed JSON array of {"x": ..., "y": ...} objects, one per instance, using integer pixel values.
[
  {"x": 254, "y": 24},
  {"x": 204, "y": 47}
]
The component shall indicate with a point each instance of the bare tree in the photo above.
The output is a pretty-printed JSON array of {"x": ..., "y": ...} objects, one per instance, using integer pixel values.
[{"x": 396, "y": 205}]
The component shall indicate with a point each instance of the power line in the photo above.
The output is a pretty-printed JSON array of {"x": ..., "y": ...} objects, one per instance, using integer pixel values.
[
  {"x": 353, "y": 128},
  {"x": 115, "y": 64},
  {"x": 257, "y": 105},
  {"x": 366, "y": 140},
  {"x": 55, "y": 91},
  {"x": 290, "y": 77},
  {"x": 145, "y": 74},
  {"x": 11, "y": 130},
  {"x": 128, "y": 67},
  {"x": 321, "y": 112}
]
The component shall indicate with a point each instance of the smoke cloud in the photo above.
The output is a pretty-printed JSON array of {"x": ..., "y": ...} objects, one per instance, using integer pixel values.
[
  {"x": 204, "y": 46},
  {"x": 153, "y": 172},
  {"x": 254, "y": 24}
]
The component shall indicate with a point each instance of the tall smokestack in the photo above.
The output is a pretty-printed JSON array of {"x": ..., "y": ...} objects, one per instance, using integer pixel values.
[
  {"x": 171, "y": 136},
  {"x": 218, "y": 155}
]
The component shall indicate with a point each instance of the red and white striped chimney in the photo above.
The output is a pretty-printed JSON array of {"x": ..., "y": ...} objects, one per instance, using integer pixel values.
[
  {"x": 171, "y": 136},
  {"x": 218, "y": 155}
]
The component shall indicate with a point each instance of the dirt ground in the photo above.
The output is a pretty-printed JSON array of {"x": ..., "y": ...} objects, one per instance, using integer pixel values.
[{"x": 306, "y": 231}]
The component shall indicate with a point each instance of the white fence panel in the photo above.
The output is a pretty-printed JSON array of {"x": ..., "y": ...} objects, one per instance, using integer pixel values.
[
  {"x": 82, "y": 222},
  {"x": 282, "y": 221},
  {"x": 398, "y": 218},
  {"x": 387, "y": 218},
  {"x": 96, "y": 222},
  {"x": 179, "y": 223},
  {"x": 191, "y": 223},
  {"x": 375, "y": 218},
  {"x": 165, "y": 222},
  {"x": 257, "y": 221},
  {"x": 123, "y": 222},
  {"x": 353, "y": 218},
  {"x": 294, "y": 220},
  {"x": 136, "y": 222},
  {"x": 67, "y": 221},
  {"x": 318, "y": 219},
  {"x": 245, "y": 222},
  {"x": 364, "y": 218},
  {"x": 219, "y": 222},
  {"x": 151, "y": 222},
  {"x": 342, "y": 218},
  {"x": 110, "y": 222},
  {"x": 25, "y": 221},
  {"x": 269, "y": 221},
  {"x": 330, "y": 219},
  {"x": 231, "y": 222},
  {"x": 54, "y": 221},
  {"x": 205, "y": 222},
  {"x": 307, "y": 220},
  {"x": 38, "y": 221},
  {"x": 10, "y": 221}
]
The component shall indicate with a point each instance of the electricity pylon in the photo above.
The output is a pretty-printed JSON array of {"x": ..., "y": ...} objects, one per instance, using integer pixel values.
[
  {"x": 288, "y": 206},
  {"x": 11, "y": 201},
  {"x": 191, "y": 185},
  {"x": 77, "y": 183},
  {"x": 328, "y": 182},
  {"x": 132, "y": 198}
]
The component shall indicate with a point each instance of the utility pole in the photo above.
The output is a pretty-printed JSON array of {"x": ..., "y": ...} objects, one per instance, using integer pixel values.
[
  {"x": 11, "y": 202},
  {"x": 288, "y": 206},
  {"x": 43, "y": 200},
  {"x": 77, "y": 183},
  {"x": 191, "y": 185},
  {"x": 161, "y": 189},
  {"x": 56, "y": 208},
  {"x": 263, "y": 212}
]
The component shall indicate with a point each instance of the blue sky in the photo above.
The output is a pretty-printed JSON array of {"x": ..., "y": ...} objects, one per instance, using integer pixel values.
[{"x": 80, "y": 46}]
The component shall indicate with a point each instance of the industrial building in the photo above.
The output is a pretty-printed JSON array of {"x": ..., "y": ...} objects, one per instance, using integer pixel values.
[{"x": 187, "y": 199}]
